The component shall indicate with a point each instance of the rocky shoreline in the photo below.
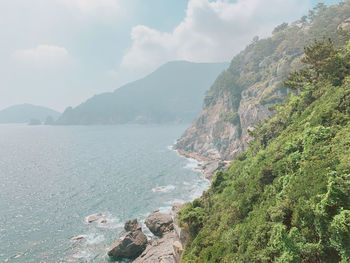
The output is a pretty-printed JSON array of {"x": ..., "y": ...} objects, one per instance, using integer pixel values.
[
  {"x": 169, "y": 239},
  {"x": 206, "y": 165},
  {"x": 166, "y": 246}
]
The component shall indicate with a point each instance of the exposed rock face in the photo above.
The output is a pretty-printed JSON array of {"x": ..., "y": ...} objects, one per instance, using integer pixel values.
[
  {"x": 159, "y": 223},
  {"x": 168, "y": 248},
  {"x": 212, "y": 138},
  {"x": 132, "y": 225},
  {"x": 131, "y": 244},
  {"x": 241, "y": 96},
  {"x": 345, "y": 25},
  {"x": 161, "y": 251}
]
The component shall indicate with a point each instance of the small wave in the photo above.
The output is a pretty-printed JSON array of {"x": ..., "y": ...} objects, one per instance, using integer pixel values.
[
  {"x": 170, "y": 148},
  {"x": 181, "y": 201},
  {"x": 110, "y": 222},
  {"x": 93, "y": 239},
  {"x": 192, "y": 164},
  {"x": 82, "y": 255},
  {"x": 198, "y": 188},
  {"x": 163, "y": 189}
]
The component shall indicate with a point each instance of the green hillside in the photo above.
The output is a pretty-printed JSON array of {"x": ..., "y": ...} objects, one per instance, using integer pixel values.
[
  {"x": 242, "y": 95},
  {"x": 287, "y": 198}
]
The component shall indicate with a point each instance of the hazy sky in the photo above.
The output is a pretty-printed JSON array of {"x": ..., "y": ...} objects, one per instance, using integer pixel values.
[{"x": 58, "y": 53}]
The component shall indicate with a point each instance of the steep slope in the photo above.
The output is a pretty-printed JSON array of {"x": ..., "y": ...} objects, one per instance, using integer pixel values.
[
  {"x": 286, "y": 199},
  {"x": 25, "y": 112},
  {"x": 242, "y": 96},
  {"x": 173, "y": 93}
]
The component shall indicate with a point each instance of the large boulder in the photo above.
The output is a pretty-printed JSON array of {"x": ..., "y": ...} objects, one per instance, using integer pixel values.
[
  {"x": 159, "y": 223},
  {"x": 131, "y": 244},
  {"x": 161, "y": 251}
]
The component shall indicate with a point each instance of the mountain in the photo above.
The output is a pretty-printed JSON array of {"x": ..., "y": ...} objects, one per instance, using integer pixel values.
[
  {"x": 172, "y": 93},
  {"x": 243, "y": 95},
  {"x": 287, "y": 197},
  {"x": 25, "y": 112}
]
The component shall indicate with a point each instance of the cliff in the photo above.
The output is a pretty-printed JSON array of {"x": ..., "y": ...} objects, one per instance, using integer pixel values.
[
  {"x": 287, "y": 198},
  {"x": 244, "y": 95}
]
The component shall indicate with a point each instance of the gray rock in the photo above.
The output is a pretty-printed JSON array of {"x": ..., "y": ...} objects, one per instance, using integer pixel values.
[
  {"x": 175, "y": 209},
  {"x": 132, "y": 225},
  {"x": 160, "y": 252},
  {"x": 159, "y": 223},
  {"x": 94, "y": 217},
  {"x": 130, "y": 245}
]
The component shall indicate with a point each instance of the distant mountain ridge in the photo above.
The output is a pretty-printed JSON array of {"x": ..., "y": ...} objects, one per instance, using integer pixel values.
[
  {"x": 23, "y": 113},
  {"x": 172, "y": 94}
]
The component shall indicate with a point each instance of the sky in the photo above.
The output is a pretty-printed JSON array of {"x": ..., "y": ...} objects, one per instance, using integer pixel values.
[{"x": 58, "y": 53}]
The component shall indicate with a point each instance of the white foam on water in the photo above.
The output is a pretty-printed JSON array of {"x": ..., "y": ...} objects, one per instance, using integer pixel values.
[
  {"x": 93, "y": 239},
  {"x": 199, "y": 186},
  {"x": 109, "y": 222},
  {"x": 192, "y": 164},
  {"x": 181, "y": 201},
  {"x": 164, "y": 189},
  {"x": 85, "y": 255},
  {"x": 170, "y": 148}
]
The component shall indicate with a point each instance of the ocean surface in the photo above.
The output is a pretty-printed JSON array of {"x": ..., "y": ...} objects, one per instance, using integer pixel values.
[{"x": 52, "y": 178}]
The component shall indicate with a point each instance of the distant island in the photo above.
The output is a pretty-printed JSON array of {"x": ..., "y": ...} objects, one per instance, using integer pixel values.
[
  {"x": 173, "y": 93},
  {"x": 28, "y": 113}
]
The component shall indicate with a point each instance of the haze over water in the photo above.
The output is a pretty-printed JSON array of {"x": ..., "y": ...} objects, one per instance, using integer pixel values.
[{"x": 52, "y": 178}]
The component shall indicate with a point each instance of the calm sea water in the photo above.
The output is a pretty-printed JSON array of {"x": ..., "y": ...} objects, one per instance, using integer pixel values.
[{"x": 52, "y": 178}]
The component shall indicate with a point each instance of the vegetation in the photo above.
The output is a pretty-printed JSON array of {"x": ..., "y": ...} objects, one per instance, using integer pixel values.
[
  {"x": 265, "y": 64},
  {"x": 171, "y": 94},
  {"x": 286, "y": 199}
]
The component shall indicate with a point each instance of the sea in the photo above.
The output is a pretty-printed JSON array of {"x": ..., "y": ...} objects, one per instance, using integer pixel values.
[{"x": 53, "y": 177}]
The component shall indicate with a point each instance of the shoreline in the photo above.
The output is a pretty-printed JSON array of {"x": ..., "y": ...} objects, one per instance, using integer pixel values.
[
  {"x": 206, "y": 166},
  {"x": 171, "y": 245}
]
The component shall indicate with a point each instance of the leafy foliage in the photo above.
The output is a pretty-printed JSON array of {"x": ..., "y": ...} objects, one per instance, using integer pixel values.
[
  {"x": 286, "y": 199},
  {"x": 264, "y": 65}
]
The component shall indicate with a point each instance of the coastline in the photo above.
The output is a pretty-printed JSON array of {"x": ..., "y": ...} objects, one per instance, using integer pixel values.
[
  {"x": 206, "y": 166},
  {"x": 171, "y": 245}
]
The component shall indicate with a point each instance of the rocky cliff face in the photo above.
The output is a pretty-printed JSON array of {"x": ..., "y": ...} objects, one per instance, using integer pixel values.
[
  {"x": 243, "y": 95},
  {"x": 214, "y": 136}
]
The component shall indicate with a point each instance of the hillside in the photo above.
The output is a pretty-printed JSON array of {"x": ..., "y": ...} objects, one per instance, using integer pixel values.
[
  {"x": 25, "y": 112},
  {"x": 173, "y": 93},
  {"x": 287, "y": 198},
  {"x": 242, "y": 96}
]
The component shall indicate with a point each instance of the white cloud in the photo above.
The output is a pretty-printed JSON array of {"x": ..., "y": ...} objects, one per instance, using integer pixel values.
[
  {"x": 42, "y": 53},
  {"x": 211, "y": 31},
  {"x": 92, "y": 6}
]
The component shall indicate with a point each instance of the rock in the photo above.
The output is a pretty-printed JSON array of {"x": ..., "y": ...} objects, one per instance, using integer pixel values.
[
  {"x": 177, "y": 250},
  {"x": 175, "y": 209},
  {"x": 159, "y": 223},
  {"x": 345, "y": 25},
  {"x": 77, "y": 238},
  {"x": 103, "y": 221},
  {"x": 94, "y": 217},
  {"x": 160, "y": 252},
  {"x": 130, "y": 245},
  {"x": 132, "y": 225}
]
